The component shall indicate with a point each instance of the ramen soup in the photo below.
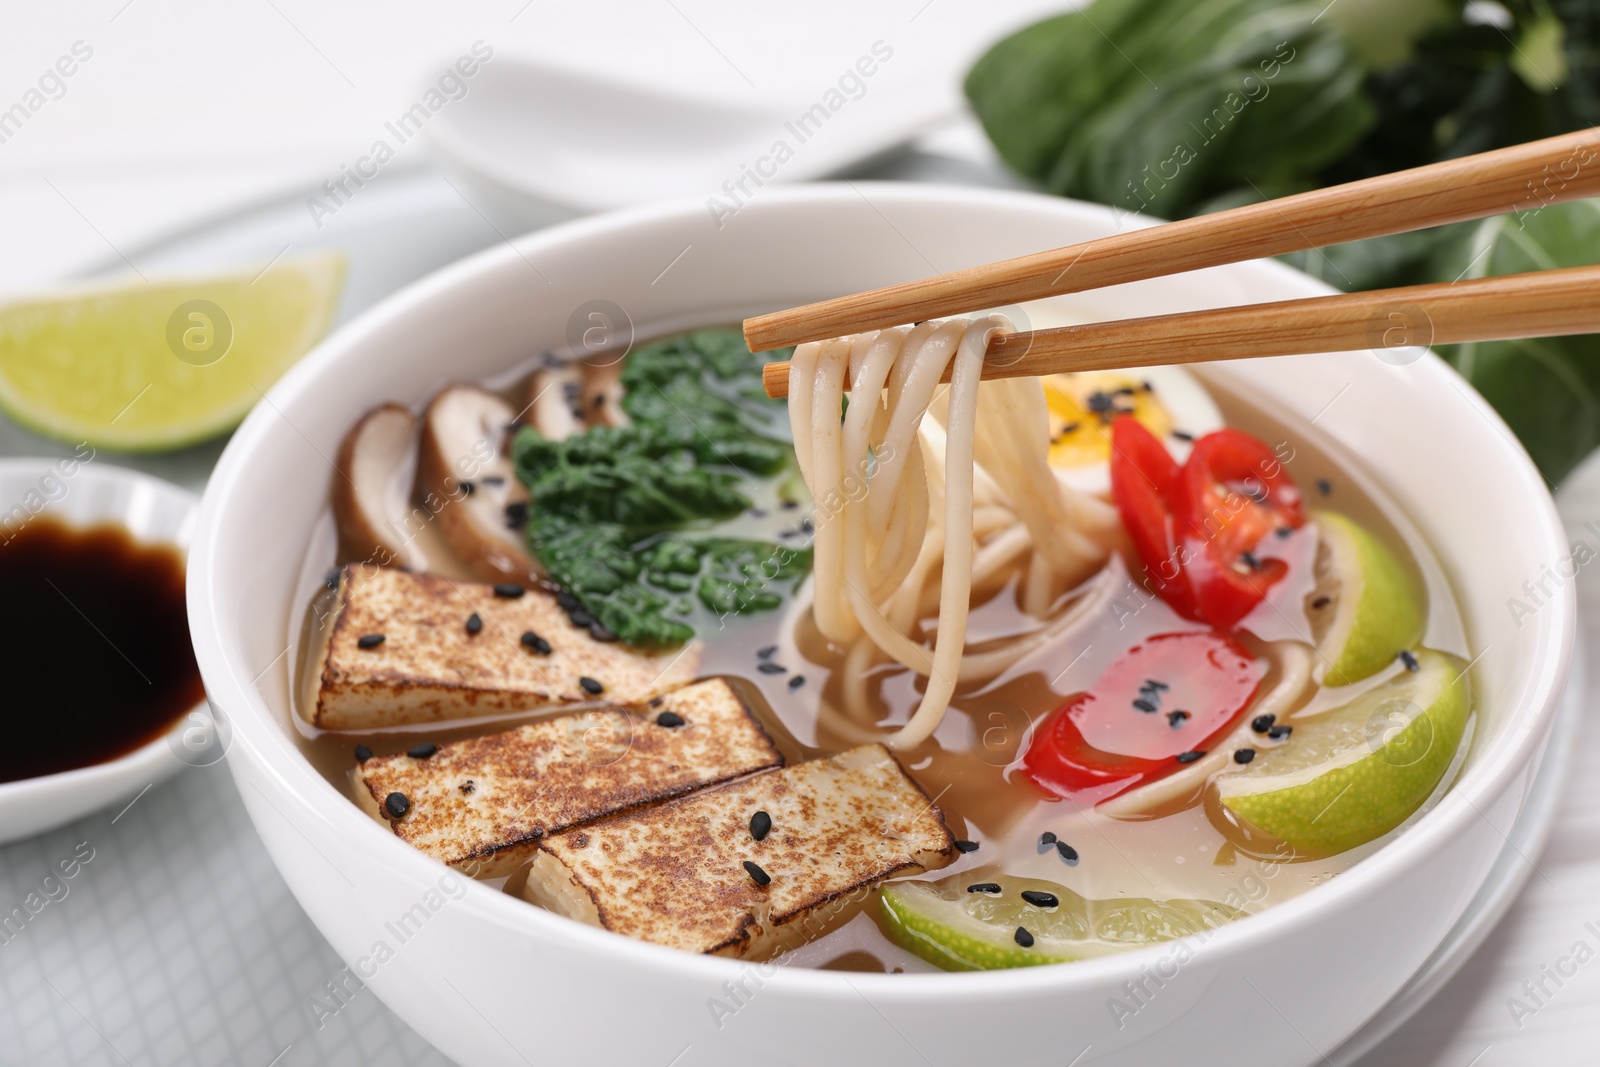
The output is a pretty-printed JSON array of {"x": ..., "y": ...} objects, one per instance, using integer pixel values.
[{"x": 899, "y": 675}]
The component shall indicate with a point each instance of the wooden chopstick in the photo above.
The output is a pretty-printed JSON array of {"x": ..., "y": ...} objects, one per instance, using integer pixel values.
[
  {"x": 1518, "y": 179},
  {"x": 1549, "y": 303}
]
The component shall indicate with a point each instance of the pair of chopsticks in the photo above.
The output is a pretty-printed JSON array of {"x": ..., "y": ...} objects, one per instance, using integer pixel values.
[{"x": 1520, "y": 179}]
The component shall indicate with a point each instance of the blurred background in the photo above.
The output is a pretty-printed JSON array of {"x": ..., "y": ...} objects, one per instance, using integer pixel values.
[{"x": 149, "y": 138}]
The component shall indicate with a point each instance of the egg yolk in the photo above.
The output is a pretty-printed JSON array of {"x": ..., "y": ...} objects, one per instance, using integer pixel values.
[{"x": 1082, "y": 406}]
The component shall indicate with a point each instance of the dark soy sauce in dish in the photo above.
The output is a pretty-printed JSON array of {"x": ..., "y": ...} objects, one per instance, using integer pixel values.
[{"x": 94, "y": 646}]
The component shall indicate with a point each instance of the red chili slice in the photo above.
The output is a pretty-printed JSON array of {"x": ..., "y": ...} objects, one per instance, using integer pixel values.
[
  {"x": 1195, "y": 529},
  {"x": 1126, "y": 729}
]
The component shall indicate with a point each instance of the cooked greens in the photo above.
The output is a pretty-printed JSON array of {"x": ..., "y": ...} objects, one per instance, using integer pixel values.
[
  {"x": 1176, "y": 108},
  {"x": 614, "y": 508}
]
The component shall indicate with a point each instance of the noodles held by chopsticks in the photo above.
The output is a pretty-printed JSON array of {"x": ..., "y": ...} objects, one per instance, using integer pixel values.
[{"x": 927, "y": 498}]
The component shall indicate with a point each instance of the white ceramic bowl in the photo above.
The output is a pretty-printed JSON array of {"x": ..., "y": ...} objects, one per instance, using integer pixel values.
[
  {"x": 85, "y": 492},
  {"x": 490, "y": 980}
]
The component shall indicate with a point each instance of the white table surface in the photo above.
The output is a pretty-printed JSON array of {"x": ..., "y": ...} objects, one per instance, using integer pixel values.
[{"x": 178, "y": 943}]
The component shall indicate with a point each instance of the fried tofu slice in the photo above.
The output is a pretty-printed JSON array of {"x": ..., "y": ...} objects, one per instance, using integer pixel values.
[
  {"x": 675, "y": 874},
  {"x": 482, "y": 804},
  {"x": 399, "y": 650}
]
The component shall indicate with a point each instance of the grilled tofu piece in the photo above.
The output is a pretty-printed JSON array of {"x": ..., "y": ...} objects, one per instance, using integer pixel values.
[
  {"x": 482, "y": 804},
  {"x": 428, "y": 666},
  {"x": 675, "y": 874}
]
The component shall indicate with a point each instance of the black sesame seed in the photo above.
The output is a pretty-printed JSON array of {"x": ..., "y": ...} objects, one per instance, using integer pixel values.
[
  {"x": 1283, "y": 532},
  {"x": 656, "y": 702},
  {"x": 1244, "y": 755},
  {"x": 772, "y": 668},
  {"x": 964, "y": 845},
  {"x": 396, "y": 805},
  {"x": 493, "y": 479},
  {"x": 797, "y": 681},
  {"x": 567, "y": 602},
  {"x": 591, "y": 686},
  {"x": 1144, "y": 705},
  {"x": 1148, "y": 385},
  {"x": 517, "y": 514},
  {"x": 1067, "y": 852},
  {"x": 1046, "y": 839},
  {"x": 757, "y": 513},
  {"x": 363, "y": 753},
  {"x": 1321, "y": 602},
  {"x": 1324, "y": 486},
  {"x": 467, "y": 786},
  {"x": 790, "y": 505},
  {"x": 601, "y": 634},
  {"x": 1262, "y": 723},
  {"x": 1099, "y": 402},
  {"x": 1023, "y": 938},
  {"x": 474, "y": 623},
  {"x": 759, "y": 876},
  {"x": 536, "y": 643},
  {"x": 767, "y": 653},
  {"x": 807, "y": 526},
  {"x": 1189, "y": 757},
  {"x": 1126, "y": 390},
  {"x": 760, "y": 825},
  {"x": 1179, "y": 435},
  {"x": 422, "y": 751},
  {"x": 1278, "y": 733},
  {"x": 1040, "y": 899},
  {"x": 984, "y": 887},
  {"x": 670, "y": 719},
  {"x": 1410, "y": 661},
  {"x": 1151, "y": 683},
  {"x": 1249, "y": 560},
  {"x": 508, "y": 590},
  {"x": 1176, "y": 718},
  {"x": 467, "y": 488},
  {"x": 1071, "y": 427},
  {"x": 369, "y": 640}
]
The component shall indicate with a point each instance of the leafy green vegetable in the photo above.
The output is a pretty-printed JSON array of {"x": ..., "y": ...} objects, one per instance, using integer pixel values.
[
  {"x": 1547, "y": 389},
  {"x": 1160, "y": 105},
  {"x": 610, "y": 505},
  {"x": 1178, "y": 107}
]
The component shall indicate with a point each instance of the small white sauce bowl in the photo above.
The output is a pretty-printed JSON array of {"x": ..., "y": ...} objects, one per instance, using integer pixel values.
[{"x": 86, "y": 490}]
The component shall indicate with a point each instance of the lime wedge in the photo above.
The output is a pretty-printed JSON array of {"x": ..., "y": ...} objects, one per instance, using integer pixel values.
[
  {"x": 959, "y": 930},
  {"x": 1354, "y": 773},
  {"x": 141, "y": 365},
  {"x": 1365, "y": 607}
]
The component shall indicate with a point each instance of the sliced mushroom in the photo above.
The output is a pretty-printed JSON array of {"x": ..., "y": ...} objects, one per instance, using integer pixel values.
[
  {"x": 555, "y": 401},
  {"x": 372, "y": 493},
  {"x": 602, "y": 393},
  {"x": 465, "y": 477}
]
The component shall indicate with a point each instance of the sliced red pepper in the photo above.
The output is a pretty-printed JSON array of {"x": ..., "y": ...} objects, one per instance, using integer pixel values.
[
  {"x": 1168, "y": 695},
  {"x": 1143, "y": 476},
  {"x": 1195, "y": 529}
]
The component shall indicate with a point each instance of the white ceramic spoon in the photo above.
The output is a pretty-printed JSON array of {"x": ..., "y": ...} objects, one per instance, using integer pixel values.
[{"x": 530, "y": 135}]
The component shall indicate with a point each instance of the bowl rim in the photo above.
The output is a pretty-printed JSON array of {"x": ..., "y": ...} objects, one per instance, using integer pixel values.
[{"x": 261, "y": 740}]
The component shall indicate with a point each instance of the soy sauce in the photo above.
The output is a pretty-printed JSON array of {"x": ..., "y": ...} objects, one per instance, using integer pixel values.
[{"x": 95, "y": 659}]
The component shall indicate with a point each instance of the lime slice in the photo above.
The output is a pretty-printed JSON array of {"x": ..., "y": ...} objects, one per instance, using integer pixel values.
[
  {"x": 1354, "y": 773},
  {"x": 959, "y": 930},
  {"x": 150, "y": 365},
  {"x": 1365, "y": 607}
]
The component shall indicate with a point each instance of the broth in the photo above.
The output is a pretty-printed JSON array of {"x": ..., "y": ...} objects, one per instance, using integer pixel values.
[{"x": 968, "y": 766}]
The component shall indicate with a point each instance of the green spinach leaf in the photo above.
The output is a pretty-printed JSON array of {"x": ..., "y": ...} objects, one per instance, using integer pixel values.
[{"x": 614, "y": 508}]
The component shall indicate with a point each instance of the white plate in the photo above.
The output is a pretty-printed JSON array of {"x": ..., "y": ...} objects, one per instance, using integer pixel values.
[{"x": 84, "y": 493}]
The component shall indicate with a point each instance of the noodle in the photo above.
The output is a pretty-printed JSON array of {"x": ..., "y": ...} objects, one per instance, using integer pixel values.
[{"x": 928, "y": 498}]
